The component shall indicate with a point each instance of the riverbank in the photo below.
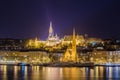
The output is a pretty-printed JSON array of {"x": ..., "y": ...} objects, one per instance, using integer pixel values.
[
  {"x": 60, "y": 64},
  {"x": 63, "y": 64},
  {"x": 108, "y": 65},
  {"x": 68, "y": 64}
]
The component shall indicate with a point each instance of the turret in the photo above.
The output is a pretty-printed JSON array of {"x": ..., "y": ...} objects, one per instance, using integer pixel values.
[{"x": 51, "y": 30}]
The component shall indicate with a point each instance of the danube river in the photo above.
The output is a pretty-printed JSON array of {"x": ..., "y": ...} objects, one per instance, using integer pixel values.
[{"x": 58, "y": 73}]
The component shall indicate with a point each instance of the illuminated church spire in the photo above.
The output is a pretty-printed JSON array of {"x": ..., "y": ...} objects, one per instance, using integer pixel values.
[
  {"x": 52, "y": 38},
  {"x": 51, "y": 30},
  {"x": 71, "y": 54},
  {"x": 74, "y": 43}
]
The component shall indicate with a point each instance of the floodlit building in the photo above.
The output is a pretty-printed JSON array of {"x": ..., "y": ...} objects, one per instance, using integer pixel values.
[
  {"x": 68, "y": 40},
  {"x": 71, "y": 53},
  {"x": 52, "y": 39}
]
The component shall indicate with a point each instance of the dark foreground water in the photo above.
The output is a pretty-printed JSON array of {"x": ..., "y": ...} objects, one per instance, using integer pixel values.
[{"x": 58, "y": 73}]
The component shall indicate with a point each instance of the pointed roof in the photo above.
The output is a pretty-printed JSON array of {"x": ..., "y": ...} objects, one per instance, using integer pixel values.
[
  {"x": 74, "y": 33},
  {"x": 36, "y": 39},
  {"x": 50, "y": 29}
]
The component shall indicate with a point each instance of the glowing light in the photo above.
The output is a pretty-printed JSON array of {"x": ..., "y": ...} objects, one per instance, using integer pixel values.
[{"x": 70, "y": 54}]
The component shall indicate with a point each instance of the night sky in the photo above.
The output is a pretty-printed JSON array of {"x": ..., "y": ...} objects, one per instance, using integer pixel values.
[{"x": 30, "y": 18}]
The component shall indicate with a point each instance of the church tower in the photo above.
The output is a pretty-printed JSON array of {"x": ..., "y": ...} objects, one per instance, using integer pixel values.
[
  {"x": 52, "y": 39},
  {"x": 51, "y": 33},
  {"x": 74, "y": 53},
  {"x": 71, "y": 53}
]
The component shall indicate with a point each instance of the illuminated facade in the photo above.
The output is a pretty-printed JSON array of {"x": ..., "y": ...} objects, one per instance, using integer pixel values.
[
  {"x": 52, "y": 38},
  {"x": 51, "y": 41},
  {"x": 68, "y": 40},
  {"x": 34, "y": 44},
  {"x": 71, "y": 54}
]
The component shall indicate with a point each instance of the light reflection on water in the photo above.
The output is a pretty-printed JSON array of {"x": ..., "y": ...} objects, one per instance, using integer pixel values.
[{"x": 58, "y": 73}]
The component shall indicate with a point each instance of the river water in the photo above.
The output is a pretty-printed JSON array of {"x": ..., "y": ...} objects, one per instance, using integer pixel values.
[{"x": 58, "y": 73}]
